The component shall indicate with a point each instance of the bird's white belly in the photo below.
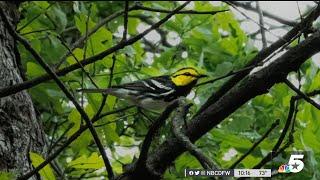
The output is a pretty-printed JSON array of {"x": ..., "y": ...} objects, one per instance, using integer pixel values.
[
  {"x": 155, "y": 105},
  {"x": 146, "y": 103}
]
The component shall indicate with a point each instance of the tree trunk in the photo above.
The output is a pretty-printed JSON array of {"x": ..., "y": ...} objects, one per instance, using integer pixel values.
[{"x": 20, "y": 132}]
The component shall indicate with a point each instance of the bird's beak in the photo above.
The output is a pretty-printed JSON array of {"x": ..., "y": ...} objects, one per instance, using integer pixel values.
[{"x": 202, "y": 76}]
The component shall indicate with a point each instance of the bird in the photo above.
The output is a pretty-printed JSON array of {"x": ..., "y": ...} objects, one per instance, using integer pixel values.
[{"x": 155, "y": 93}]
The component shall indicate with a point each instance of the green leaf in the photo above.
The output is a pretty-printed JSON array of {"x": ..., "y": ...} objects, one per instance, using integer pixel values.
[
  {"x": 91, "y": 162},
  {"x": 231, "y": 139},
  {"x": 223, "y": 68},
  {"x": 7, "y": 175},
  {"x": 78, "y": 55},
  {"x": 75, "y": 118},
  {"x": 60, "y": 18},
  {"x": 34, "y": 70},
  {"x": 229, "y": 45},
  {"x": 46, "y": 172}
]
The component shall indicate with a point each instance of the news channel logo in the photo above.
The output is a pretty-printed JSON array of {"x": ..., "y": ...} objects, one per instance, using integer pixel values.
[{"x": 294, "y": 165}]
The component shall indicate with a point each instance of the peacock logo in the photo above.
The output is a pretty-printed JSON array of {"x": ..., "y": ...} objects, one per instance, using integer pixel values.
[{"x": 284, "y": 168}]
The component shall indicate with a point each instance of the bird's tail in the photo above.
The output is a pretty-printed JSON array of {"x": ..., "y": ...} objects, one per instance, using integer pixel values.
[{"x": 106, "y": 91}]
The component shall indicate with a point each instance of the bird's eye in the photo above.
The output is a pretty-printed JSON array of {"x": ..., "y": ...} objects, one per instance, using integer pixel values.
[{"x": 187, "y": 74}]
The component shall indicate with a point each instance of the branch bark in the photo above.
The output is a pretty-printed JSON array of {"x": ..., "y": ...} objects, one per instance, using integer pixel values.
[
  {"x": 177, "y": 126},
  {"x": 20, "y": 130},
  {"x": 140, "y": 165}
]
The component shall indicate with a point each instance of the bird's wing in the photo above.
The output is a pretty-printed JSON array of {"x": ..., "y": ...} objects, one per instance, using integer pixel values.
[
  {"x": 160, "y": 84},
  {"x": 155, "y": 88}
]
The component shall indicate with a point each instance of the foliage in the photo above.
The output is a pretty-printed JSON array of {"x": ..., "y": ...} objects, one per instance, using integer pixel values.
[
  {"x": 46, "y": 172},
  {"x": 214, "y": 43}
]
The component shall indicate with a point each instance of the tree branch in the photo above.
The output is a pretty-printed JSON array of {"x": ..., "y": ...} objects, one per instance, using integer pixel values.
[
  {"x": 177, "y": 124},
  {"x": 125, "y": 21},
  {"x": 140, "y": 7},
  {"x": 33, "y": 82},
  {"x": 231, "y": 73},
  {"x": 81, "y": 66},
  {"x": 141, "y": 162},
  {"x": 301, "y": 94},
  {"x": 263, "y": 33},
  {"x": 163, "y": 33}
]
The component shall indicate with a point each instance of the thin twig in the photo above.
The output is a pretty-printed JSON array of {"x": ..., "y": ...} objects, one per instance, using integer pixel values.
[
  {"x": 140, "y": 7},
  {"x": 37, "y": 31},
  {"x": 105, "y": 96},
  {"x": 273, "y": 126},
  {"x": 85, "y": 56},
  {"x": 125, "y": 21},
  {"x": 270, "y": 28},
  {"x": 231, "y": 73},
  {"x": 114, "y": 121},
  {"x": 90, "y": 32},
  {"x": 78, "y": 61},
  {"x": 267, "y": 14},
  {"x": 120, "y": 110},
  {"x": 35, "y": 17},
  {"x": 304, "y": 96},
  {"x": 60, "y": 138},
  {"x": 246, "y": 16},
  {"x": 263, "y": 33},
  {"x": 281, "y": 138}
]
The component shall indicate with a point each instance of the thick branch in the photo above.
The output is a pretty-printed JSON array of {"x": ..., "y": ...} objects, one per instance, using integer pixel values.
[
  {"x": 141, "y": 162},
  {"x": 177, "y": 125}
]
